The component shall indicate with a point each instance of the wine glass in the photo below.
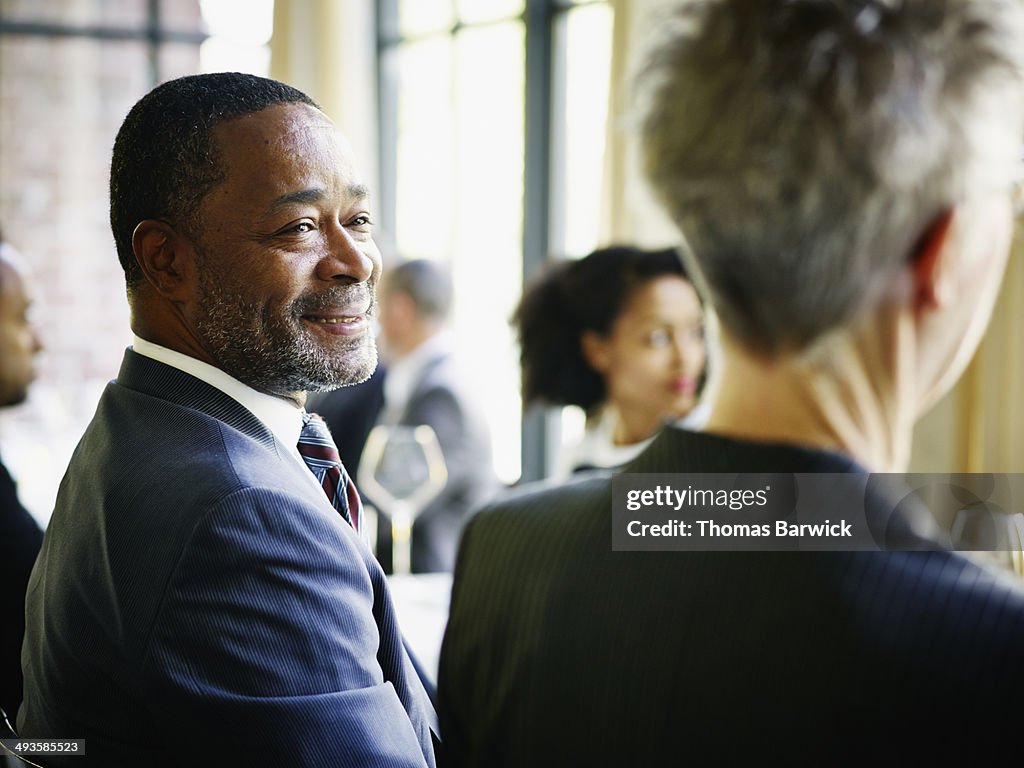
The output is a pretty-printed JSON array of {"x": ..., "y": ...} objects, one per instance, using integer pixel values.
[{"x": 402, "y": 469}]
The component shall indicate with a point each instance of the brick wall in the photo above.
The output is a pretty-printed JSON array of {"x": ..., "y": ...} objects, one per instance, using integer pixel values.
[{"x": 62, "y": 100}]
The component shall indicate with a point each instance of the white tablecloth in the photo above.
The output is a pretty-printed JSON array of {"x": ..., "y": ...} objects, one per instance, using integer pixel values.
[{"x": 421, "y": 601}]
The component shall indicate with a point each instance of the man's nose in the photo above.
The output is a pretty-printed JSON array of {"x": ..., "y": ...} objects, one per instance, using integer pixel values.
[{"x": 346, "y": 258}]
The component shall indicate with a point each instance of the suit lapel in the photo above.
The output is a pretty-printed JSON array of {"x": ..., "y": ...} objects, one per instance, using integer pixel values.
[
  {"x": 156, "y": 379},
  {"x": 151, "y": 377}
]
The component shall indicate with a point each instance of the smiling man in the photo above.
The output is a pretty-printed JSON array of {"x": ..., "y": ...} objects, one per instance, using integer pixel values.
[{"x": 199, "y": 595}]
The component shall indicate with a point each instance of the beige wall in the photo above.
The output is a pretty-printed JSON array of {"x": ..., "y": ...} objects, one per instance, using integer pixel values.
[
  {"x": 979, "y": 426},
  {"x": 327, "y": 48},
  {"x": 631, "y": 214},
  {"x": 62, "y": 100}
]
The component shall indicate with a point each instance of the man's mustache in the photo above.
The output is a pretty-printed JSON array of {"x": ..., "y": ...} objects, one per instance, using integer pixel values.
[{"x": 353, "y": 297}]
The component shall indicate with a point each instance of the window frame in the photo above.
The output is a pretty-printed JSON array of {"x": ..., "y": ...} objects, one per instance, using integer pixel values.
[
  {"x": 540, "y": 427},
  {"x": 153, "y": 32}
]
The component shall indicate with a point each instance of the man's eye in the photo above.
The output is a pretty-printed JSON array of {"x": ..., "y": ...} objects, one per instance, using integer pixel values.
[
  {"x": 302, "y": 227},
  {"x": 362, "y": 220}
]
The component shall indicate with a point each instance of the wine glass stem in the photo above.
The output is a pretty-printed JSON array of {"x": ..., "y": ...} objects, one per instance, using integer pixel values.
[{"x": 401, "y": 538}]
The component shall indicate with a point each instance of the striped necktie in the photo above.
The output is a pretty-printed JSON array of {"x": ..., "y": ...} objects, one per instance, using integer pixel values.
[{"x": 321, "y": 456}]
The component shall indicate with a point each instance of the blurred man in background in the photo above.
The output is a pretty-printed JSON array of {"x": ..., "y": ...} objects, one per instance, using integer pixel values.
[
  {"x": 20, "y": 537},
  {"x": 351, "y": 412}
]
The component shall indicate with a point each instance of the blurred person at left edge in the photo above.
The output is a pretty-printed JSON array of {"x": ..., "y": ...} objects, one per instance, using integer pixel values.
[{"x": 20, "y": 537}]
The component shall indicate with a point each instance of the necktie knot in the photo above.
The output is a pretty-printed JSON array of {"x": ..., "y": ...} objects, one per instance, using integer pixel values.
[{"x": 317, "y": 448}]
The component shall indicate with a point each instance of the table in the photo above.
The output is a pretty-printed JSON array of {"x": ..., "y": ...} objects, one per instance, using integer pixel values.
[{"x": 421, "y": 602}]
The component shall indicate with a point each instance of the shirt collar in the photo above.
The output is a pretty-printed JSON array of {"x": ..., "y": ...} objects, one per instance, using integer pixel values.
[
  {"x": 282, "y": 417},
  {"x": 404, "y": 374}
]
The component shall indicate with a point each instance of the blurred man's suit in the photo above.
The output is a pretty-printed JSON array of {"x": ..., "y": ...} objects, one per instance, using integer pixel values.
[
  {"x": 20, "y": 539},
  {"x": 435, "y": 395},
  {"x": 226, "y": 495},
  {"x": 820, "y": 658},
  {"x": 351, "y": 413}
]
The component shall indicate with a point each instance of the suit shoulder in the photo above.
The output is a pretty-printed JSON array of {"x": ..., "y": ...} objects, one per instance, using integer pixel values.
[
  {"x": 938, "y": 584},
  {"x": 550, "y": 495},
  {"x": 176, "y": 463},
  {"x": 544, "y": 510}
]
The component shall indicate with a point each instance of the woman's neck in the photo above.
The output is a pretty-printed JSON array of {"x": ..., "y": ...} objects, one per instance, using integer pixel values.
[
  {"x": 629, "y": 427},
  {"x": 854, "y": 396}
]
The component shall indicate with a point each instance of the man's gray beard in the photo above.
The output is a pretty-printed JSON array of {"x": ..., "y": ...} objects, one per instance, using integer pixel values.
[{"x": 278, "y": 355}]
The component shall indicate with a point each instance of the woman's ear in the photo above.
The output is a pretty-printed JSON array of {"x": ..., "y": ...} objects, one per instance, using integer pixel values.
[
  {"x": 932, "y": 280},
  {"x": 595, "y": 349},
  {"x": 164, "y": 257}
]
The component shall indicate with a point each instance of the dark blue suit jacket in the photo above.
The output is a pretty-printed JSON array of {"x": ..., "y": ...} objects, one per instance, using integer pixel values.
[
  {"x": 198, "y": 602},
  {"x": 561, "y": 652}
]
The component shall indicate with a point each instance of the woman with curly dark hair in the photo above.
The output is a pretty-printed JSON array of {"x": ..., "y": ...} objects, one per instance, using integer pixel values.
[{"x": 619, "y": 333}]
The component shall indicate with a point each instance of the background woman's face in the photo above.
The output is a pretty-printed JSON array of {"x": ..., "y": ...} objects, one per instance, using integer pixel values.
[{"x": 653, "y": 357}]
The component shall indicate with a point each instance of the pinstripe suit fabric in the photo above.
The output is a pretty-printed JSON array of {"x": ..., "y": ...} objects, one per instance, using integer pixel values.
[
  {"x": 197, "y": 600},
  {"x": 560, "y": 652}
]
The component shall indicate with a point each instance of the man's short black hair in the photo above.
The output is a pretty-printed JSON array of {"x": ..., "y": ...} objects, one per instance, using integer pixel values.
[{"x": 165, "y": 159}]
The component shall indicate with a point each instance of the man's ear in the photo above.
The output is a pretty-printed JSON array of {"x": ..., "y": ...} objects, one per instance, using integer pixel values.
[
  {"x": 164, "y": 257},
  {"x": 594, "y": 348},
  {"x": 933, "y": 278}
]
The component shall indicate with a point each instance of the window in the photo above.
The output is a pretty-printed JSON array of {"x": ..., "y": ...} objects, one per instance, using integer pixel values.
[
  {"x": 493, "y": 120},
  {"x": 239, "y": 36}
]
